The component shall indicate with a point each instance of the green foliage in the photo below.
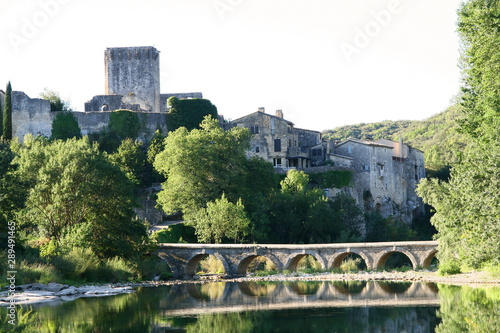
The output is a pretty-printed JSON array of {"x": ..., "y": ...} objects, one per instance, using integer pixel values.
[
  {"x": 125, "y": 124},
  {"x": 380, "y": 229},
  {"x": 350, "y": 265},
  {"x": 332, "y": 178},
  {"x": 65, "y": 126},
  {"x": 156, "y": 146},
  {"x": 77, "y": 196},
  {"x": 12, "y": 191},
  {"x": 189, "y": 113},
  {"x": 449, "y": 268},
  {"x": 56, "y": 103},
  {"x": 467, "y": 208},
  {"x": 373, "y": 131},
  {"x": 296, "y": 182},
  {"x": 299, "y": 214},
  {"x": 131, "y": 159},
  {"x": 176, "y": 233},
  {"x": 478, "y": 28},
  {"x": 221, "y": 219},
  {"x": 7, "y": 114},
  {"x": 468, "y": 309},
  {"x": 201, "y": 165}
]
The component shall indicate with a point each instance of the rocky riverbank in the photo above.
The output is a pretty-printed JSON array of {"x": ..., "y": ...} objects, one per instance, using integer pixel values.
[{"x": 42, "y": 293}]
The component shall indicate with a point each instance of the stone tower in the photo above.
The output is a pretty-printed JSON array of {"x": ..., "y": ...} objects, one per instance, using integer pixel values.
[{"x": 134, "y": 73}]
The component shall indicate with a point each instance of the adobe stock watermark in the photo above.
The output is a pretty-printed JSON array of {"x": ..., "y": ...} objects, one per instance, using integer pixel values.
[
  {"x": 33, "y": 24},
  {"x": 11, "y": 273},
  {"x": 224, "y": 6},
  {"x": 364, "y": 35}
]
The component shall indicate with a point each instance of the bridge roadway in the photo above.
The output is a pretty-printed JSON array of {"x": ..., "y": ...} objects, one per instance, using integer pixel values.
[{"x": 183, "y": 258}]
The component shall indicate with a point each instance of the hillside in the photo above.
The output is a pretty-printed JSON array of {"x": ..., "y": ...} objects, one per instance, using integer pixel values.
[{"x": 437, "y": 136}]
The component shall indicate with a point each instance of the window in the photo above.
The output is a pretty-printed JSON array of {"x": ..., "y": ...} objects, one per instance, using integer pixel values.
[
  {"x": 365, "y": 167},
  {"x": 254, "y": 129},
  {"x": 277, "y": 162},
  {"x": 257, "y": 149},
  {"x": 349, "y": 149},
  {"x": 277, "y": 145}
]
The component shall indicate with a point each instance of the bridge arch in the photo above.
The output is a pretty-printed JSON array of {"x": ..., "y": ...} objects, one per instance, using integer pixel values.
[
  {"x": 337, "y": 258},
  {"x": 245, "y": 260},
  {"x": 292, "y": 261},
  {"x": 381, "y": 258},
  {"x": 428, "y": 257},
  {"x": 195, "y": 259}
]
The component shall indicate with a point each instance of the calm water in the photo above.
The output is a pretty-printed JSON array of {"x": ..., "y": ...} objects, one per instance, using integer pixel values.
[{"x": 275, "y": 307}]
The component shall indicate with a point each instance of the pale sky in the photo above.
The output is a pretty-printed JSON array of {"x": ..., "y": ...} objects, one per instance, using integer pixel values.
[{"x": 325, "y": 63}]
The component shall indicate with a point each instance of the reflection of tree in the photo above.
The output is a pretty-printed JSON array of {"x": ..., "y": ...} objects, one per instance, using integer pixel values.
[
  {"x": 222, "y": 323},
  {"x": 256, "y": 289},
  {"x": 466, "y": 309},
  {"x": 305, "y": 287},
  {"x": 349, "y": 287},
  {"x": 395, "y": 287},
  {"x": 123, "y": 313}
]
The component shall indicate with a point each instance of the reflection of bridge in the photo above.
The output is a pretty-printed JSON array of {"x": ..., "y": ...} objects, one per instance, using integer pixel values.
[
  {"x": 183, "y": 258},
  {"x": 195, "y": 299}
]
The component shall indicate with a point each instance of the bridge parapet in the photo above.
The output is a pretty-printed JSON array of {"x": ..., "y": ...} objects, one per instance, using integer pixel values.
[{"x": 183, "y": 258}]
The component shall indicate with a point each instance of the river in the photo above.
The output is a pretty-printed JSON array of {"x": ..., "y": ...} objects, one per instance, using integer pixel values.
[{"x": 303, "y": 306}]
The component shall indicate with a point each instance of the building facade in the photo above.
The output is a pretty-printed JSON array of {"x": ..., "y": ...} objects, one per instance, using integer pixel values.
[{"x": 385, "y": 173}]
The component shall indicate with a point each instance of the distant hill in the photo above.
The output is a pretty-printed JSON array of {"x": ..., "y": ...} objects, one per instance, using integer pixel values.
[{"x": 436, "y": 136}]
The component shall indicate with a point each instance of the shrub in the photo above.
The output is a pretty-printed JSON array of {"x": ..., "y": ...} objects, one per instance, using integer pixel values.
[
  {"x": 449, "y": 268},
  {"x": 350, "y": 265},
  {"x": 65, "y": 126}
]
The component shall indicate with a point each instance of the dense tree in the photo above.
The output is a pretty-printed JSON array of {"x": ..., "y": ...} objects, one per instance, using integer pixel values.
[
  {"x": 7, "y": 114},
  {"x": 200, "y": 165},
  {"x": 467, "y": 207},
  {"x": 65, "y": 126},
  {"x": 220, "y": 220},
  {"x": 478, "y": 28},
  {"x": 77, "y": 196},
  {"x": 131, "y": 159},
  {"x": 56, "y": 102},
  {"x": 300, "y": 214},
  {"x": 12, "y": 193},
  {"x": 189, "y": 113}
]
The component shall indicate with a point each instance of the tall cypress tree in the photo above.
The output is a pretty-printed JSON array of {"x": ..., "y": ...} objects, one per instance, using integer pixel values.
[
  {"x": 1, "y": 118},
  {"x": 7, "y": 113}
]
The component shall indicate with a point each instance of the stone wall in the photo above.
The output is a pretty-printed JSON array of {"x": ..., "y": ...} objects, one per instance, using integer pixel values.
[
  {"x": 113, "y": 102},
  {"x": 91, "y": 122},
  {"x": 30, "y": 115}
]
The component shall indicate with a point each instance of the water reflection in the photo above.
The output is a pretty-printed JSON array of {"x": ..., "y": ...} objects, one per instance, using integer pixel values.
[{"x": 303, "y": 306}]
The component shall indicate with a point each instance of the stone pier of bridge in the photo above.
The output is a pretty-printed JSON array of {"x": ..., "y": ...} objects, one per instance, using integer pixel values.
[{"x": 183, "y": 258}]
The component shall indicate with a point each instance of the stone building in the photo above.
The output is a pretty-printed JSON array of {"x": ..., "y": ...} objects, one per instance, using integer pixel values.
[
  {"x": 132, "y": 81},
  {"x": 276, "y": 139},
  {"x": 385, "y": 173}
]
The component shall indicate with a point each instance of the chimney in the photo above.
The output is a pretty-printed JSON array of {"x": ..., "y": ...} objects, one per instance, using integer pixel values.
[
  {"x": 279, "y": 113},
  {"x": 401, "y": 152},
  {"x": 262, "y": 109}
]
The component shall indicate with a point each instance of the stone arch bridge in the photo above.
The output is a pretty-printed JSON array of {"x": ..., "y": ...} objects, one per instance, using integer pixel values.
[{"x": 183, "y": 258}]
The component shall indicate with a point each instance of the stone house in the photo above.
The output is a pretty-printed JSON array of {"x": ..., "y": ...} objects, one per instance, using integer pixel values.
[
  {"x": 385, "y": 173},
  {"x": 276, "y": 140}
]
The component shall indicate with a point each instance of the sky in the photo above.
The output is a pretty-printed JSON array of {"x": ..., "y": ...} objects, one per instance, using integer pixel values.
[{"x": 325, "y": 63}]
